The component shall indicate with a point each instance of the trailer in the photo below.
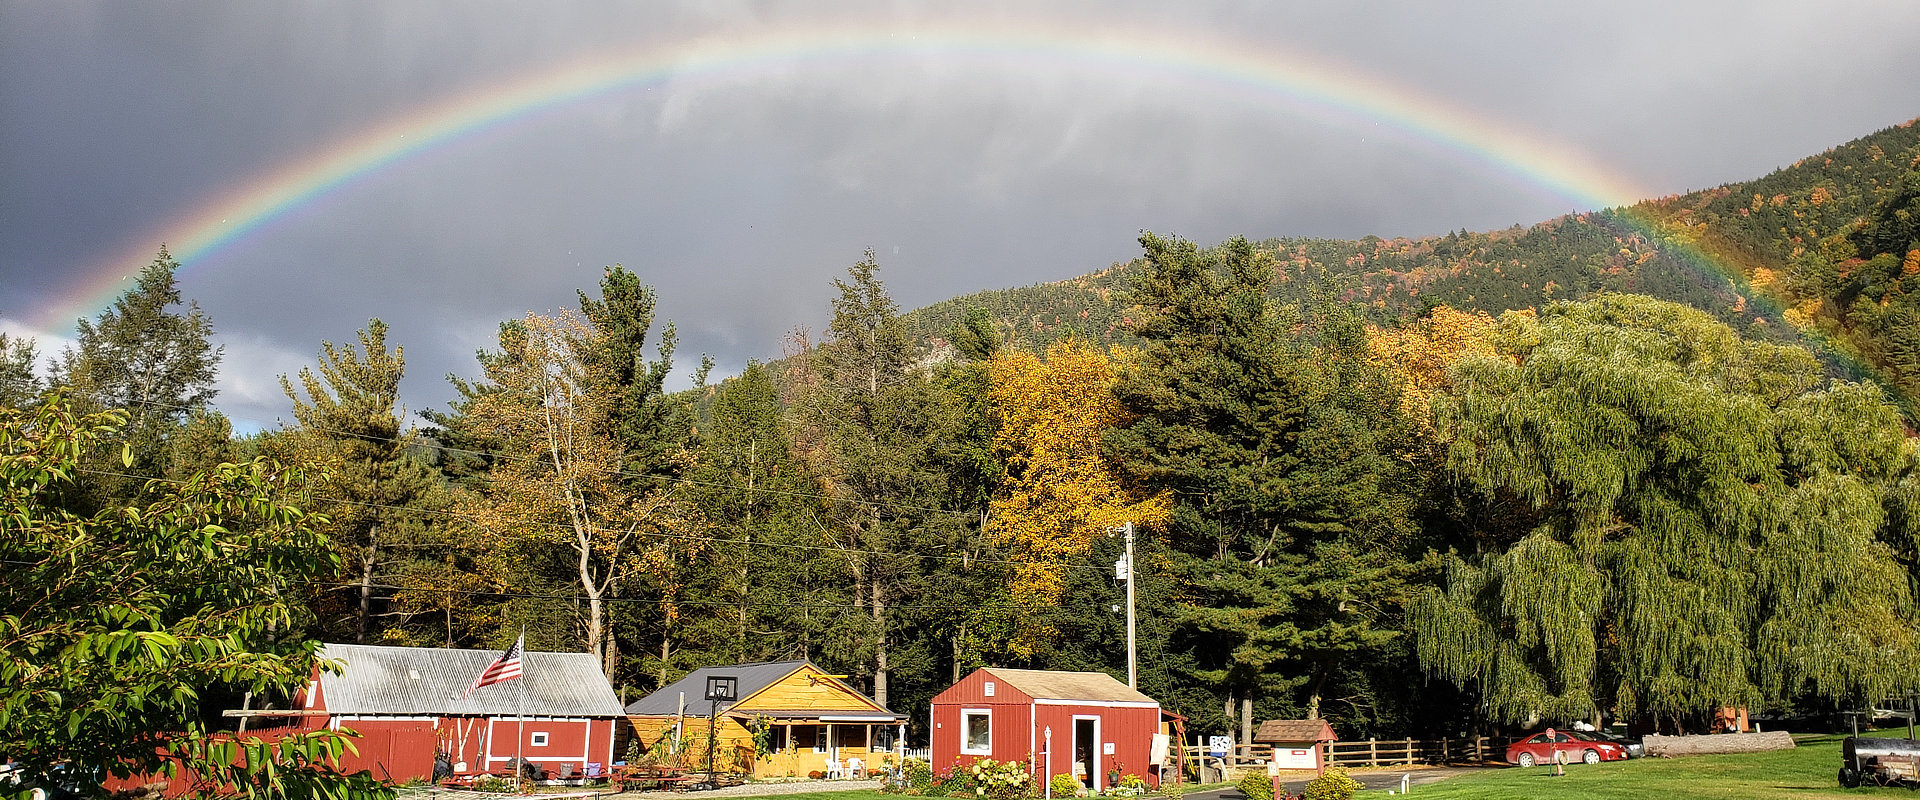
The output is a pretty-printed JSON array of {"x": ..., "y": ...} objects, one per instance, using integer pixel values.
[{"x": 1874, "y": 761}]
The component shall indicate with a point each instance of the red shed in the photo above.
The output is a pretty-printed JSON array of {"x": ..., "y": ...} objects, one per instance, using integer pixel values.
[
  {"x": 407, "y": 703},
  {"x": 1095, "y": 724}
]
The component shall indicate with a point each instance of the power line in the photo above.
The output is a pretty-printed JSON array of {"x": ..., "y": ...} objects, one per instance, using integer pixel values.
[
  {"x": 834, "y": 549},
  {"x": 423, "y": 441},
  {"x": 522, "y": 595}
]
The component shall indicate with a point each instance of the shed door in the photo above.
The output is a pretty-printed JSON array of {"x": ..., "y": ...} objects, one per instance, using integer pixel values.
[{"x": 1086, "y": 751}]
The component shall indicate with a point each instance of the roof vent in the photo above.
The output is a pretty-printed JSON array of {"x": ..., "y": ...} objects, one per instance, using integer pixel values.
[{"x": 413, "y": 674}]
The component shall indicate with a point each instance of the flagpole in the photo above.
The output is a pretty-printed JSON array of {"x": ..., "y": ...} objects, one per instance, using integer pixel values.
[{"x": 520, "y": 732}]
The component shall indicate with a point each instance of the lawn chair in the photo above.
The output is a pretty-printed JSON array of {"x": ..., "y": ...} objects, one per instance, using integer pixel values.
[
  {"x": 856, "y": 768},
  {"x": 834, "y": 770}
]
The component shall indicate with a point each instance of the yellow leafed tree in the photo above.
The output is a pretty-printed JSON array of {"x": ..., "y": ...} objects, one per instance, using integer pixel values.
[
  {"x": 1059, "y": 492},
  {"x": 1423, "y": 351}
]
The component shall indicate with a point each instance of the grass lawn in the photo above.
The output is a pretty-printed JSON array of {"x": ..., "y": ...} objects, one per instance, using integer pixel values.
[{"x": 1804, "y": 773}]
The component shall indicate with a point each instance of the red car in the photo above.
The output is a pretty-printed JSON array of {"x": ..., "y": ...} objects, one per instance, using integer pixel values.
[{"x": 1540, "y": 747}]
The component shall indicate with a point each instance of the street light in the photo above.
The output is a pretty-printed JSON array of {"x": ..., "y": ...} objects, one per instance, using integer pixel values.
[{"x": 1124, "y": 571}]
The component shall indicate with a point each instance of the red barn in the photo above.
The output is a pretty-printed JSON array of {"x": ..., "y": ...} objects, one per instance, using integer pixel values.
[
  {"x": 406, "y": 704},
  {"x": 1095, "y": 724}
]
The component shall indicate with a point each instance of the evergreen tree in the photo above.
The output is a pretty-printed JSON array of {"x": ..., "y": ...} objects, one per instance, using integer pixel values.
[
  {"x": 1271, "y": 434},
  {"x": 156, "y": 363},
  {"x": 875, "y": 455},
  {"x": 372, "y": 487},
  {"x": 19, "y": 383}
]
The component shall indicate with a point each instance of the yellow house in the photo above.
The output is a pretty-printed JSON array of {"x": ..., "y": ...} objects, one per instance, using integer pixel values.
[{"x": 787, "y": 718}]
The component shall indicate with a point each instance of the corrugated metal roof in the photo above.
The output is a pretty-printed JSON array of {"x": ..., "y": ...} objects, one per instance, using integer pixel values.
[
  {"x": 1043, "y": 684},
  {"x": 430, "y": 680}
]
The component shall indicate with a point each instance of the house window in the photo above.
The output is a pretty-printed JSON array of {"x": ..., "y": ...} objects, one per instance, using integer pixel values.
[
  {"x": 976, "y": 732},
  {"x": 989, "y": 688},
  {"x": 539, "y": 739}
]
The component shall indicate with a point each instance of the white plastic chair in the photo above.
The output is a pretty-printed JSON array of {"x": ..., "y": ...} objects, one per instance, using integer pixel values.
[
  {"x": 856, "y": 768},
  {"x": 834, "y": 770}
]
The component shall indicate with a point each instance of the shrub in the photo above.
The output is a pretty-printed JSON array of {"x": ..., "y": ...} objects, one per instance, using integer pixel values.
[
  {"x": 1335, "y": 785},
  {"x": 918, "y": 774},
  {"x": 997, "y": 780},
  {"x": 1065, "y": 786},
  {"x": 1256, "y": 786},
  {"x": 1172, "y": 788},
  {"x": 816, "y": 774}
]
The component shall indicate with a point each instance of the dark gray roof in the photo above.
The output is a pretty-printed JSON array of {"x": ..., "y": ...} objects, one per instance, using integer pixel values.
[
  {"x": 430, "y": 680},
  {"x": 753, "y": 678}
]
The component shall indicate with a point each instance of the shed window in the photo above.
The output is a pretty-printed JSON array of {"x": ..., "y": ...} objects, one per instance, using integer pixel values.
[
  {"x": 976, "y": 732},
  {"x": 539, "y": 739}
]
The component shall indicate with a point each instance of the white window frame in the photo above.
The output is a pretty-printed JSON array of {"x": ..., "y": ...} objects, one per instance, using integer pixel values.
[
  {"x": 537, "y": 739},
  {"x": 966, "y": 732}
]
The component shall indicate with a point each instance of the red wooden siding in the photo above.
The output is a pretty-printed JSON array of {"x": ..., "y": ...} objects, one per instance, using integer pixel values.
[{"x": 1018, "y": 731}]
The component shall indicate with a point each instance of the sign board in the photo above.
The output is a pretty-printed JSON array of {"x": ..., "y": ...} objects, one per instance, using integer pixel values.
[
  {"x": 723, "y": 688},
  {"x": 1219, "y": 745},
  {"x": 1106, "y": 748},
  {"x": 1295, "y": 758}
]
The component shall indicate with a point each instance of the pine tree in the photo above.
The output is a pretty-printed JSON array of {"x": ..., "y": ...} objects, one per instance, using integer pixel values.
[
  {"x": 1271, "y": 432},
  {"x": 19, "y": 383},
  {"x": 155, "y": 363},
  {"x": 374, "y": 489}
]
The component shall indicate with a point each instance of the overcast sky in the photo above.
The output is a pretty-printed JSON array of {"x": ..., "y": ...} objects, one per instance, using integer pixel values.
[{"x": 983, "y": 148}]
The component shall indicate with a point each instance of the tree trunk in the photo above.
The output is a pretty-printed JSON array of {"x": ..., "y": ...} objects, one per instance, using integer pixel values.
[
  {"x": 1246, "y": 720},
  {"x": 367, "y": 555},
  {"x": 880, "y": 647},
  {"x": 666, "y": 650},
  {"x": 596, "y": 604}
]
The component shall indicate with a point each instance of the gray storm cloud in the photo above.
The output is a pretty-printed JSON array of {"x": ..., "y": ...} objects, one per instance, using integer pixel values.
[{"x": 740, "y": 193}]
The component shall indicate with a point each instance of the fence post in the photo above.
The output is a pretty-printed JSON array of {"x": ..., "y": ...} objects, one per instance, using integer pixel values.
[
  {"x": 1373, "y": 752},
  {"x": 1409, "y": 751}
]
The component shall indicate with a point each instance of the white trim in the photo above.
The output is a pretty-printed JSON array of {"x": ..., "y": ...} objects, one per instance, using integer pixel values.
[
  {"x": 1094, "y": 773},
  {"x": 313, "y": 692},
  {"x": 540, "y": 738},
  {"x": 872, "y": 718},
  {"x": 966, "y": 732},
  {"x": 380, "y": 718},
  {"x": 1100, "y": 703}
]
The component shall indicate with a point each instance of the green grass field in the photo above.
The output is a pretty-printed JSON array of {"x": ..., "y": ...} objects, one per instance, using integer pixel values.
[{"x": 1804, "y": 773}]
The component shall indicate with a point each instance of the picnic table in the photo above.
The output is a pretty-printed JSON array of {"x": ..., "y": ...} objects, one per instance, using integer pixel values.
[{"x": 630, "y": 778}]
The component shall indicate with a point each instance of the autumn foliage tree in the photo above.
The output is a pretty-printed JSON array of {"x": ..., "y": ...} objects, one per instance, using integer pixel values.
[
  {"x": 1059, "y": 491},
  {"x": 559, "y": 481}
]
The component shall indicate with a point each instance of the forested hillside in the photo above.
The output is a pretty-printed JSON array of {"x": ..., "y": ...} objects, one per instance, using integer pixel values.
[{"x": 1825, "y": 251}]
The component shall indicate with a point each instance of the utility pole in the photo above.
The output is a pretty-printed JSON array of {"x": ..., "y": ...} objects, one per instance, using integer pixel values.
[{"x": 1124, "y": 571}]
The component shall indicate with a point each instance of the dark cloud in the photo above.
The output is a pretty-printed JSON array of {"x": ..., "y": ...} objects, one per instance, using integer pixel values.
[{"x": 740, "y": 194}]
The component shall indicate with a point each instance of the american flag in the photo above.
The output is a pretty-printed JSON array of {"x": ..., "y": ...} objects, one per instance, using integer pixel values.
[{"x": 504, "y": 668}]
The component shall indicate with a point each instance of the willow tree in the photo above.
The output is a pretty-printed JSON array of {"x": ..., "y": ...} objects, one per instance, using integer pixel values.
[{"x": 1708, "y": 512}]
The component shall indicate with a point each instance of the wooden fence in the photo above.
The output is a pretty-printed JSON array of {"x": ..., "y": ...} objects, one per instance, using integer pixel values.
[{"x": 1364, "y": 753}]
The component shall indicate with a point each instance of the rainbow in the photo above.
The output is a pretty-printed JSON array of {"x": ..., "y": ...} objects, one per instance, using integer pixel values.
[{"x": 1264, "y": 75}]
